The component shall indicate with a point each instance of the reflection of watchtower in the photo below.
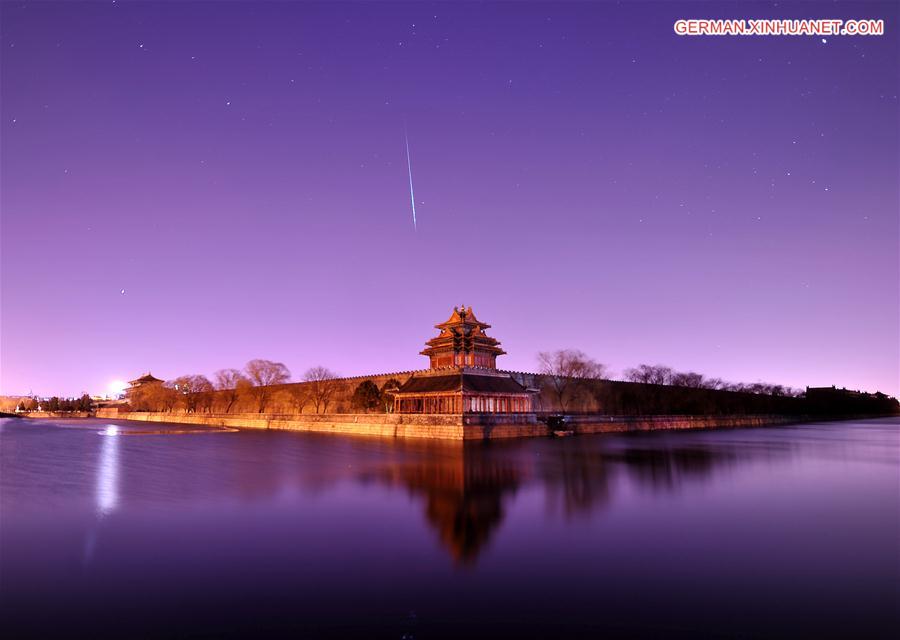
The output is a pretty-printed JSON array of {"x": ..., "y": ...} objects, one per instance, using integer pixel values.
[{"x": 464, "y": 490}]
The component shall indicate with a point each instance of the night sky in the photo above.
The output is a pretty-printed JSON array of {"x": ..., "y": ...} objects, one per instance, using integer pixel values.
[{"x": 187, "y": 186}]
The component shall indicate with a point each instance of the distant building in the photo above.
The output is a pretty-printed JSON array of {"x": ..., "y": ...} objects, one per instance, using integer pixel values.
[
  {"x": 463, "y": 377},
  {"x": 834, "y": 401},
  {"x": 137, "y": 383}
]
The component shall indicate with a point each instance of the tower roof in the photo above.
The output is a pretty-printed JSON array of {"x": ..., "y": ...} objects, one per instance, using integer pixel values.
[
  {"x": 462, "y": 333},
  {"x": 148, "y": 377},
  {"x": 462, "y": 315},
  {"x": 464, "y": 381}
]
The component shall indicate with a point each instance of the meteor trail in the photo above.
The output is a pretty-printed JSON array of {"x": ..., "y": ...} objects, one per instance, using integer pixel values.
[{"x": 412, "y": 197}]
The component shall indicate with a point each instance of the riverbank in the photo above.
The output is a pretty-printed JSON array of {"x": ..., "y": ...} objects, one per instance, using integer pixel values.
[{"x": 451, "y": 427}]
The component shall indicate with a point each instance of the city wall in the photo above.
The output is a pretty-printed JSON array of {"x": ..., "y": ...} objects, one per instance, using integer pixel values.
[{"x": 447, "y": 427}]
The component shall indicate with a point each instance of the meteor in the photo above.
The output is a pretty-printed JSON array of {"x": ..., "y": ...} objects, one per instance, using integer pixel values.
[{"x": 412, "y": 197}]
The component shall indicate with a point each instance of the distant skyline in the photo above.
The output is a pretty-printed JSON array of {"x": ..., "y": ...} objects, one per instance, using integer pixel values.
[{"x": 187, "y": 186}]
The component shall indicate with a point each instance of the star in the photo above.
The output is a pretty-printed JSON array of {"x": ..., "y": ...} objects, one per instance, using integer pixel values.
[{"x": 122, "y": 292}]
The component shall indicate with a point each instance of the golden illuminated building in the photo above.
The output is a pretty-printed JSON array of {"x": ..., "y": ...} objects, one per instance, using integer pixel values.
[
  {"x": 463, "y": 377},
  {"x": 137, "y": 383}
]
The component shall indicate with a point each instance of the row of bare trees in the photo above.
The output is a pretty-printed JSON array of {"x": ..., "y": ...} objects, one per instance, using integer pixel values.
[
  {"x": 567, "y": 375},
  {"x": 660, "y": 374},
  {"x": 257, "y": 383},
  {"x": 566, "y": 378}
]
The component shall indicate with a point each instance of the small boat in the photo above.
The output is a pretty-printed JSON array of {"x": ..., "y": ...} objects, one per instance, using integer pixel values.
[{"x": 563, "y": 434}]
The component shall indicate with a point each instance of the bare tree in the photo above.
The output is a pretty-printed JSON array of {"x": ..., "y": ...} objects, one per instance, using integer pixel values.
[
  {"x": 205, "y": 392},
  {"x": 566, "y": 371},
  {"x": 662, "y": 375},
  {"x": 300, "y": 396},
  {"x": 650, "y": 374},
  {"x": 263, "y": 374},
  {"x": 193, "y": 391},
  {"x": 167, "y": 395},
  {"x": 687, "y": 379},
  {"x": 231, "y": 384},
  {"x": 322, "y": 386}
]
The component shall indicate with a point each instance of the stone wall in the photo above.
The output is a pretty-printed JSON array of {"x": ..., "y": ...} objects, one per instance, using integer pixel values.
[
  {"x": 618, "y": 398},
  {"x": 620, "y": 424},
  {"x": 447, "y": 427}
]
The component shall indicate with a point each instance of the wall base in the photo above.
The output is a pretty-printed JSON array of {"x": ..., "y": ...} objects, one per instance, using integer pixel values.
[{"x": 448, "y": 427}]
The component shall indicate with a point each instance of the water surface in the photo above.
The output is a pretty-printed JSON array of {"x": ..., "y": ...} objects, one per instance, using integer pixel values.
[{"x": 124, "y": 530}]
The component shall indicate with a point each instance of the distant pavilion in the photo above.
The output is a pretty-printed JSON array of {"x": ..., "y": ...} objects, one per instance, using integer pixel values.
[
  {"x": 137, "y": 383},
  {"x": 463, "y": 377}
]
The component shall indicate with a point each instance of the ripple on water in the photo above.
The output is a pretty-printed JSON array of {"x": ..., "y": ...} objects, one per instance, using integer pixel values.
[{"x": 115, "y": 431}]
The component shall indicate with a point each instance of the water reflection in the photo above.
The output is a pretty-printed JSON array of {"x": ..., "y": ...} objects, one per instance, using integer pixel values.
[
  {"x": 666, "y": 469},
  {"x": 106, "y": 494},
  {"x": 464, "y": 491},
  {"x": 108, "y": 473},
  {"x": 309, "y": 532},
  {"x": 576, "y": 480}
]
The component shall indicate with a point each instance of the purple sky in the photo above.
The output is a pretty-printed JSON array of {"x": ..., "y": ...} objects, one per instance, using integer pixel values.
[{"x": 584, "y": 178}]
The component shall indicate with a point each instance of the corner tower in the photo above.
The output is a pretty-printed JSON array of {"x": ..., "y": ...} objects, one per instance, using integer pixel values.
[{"x": 462, "y": 342}]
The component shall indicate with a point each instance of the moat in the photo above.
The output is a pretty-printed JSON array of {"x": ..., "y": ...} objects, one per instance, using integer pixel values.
[{"x": 135, "y": 530}]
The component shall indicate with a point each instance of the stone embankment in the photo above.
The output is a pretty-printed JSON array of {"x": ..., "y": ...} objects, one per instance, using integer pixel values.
[{"x": 448, "y": 427}]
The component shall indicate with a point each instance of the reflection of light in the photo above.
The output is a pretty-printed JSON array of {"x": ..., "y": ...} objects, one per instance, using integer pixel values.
[{"x": 108, "y": 473}]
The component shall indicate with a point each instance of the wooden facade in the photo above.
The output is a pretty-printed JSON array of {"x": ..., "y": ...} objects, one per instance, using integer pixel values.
[
  {"x": 462, "y": 342},
  {"x": 462, "y": 403}
]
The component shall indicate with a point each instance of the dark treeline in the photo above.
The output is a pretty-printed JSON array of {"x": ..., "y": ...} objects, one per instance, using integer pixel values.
[
  {"x": 572, "y": 382},
  {"x": 56, "y": 404},
  {"x": 832, "y": 401},
  {"x": 662, "y": 375},
  {"x": 614, "y": 397}
]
